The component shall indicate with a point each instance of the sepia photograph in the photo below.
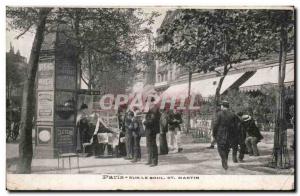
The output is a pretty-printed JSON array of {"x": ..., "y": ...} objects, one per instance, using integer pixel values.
[{"x": 150, "y": 98}]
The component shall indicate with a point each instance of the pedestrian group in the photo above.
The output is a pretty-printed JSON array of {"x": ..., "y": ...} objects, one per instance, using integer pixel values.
[
  {"x": 166, "y": 124},
  {"x": 236, "y": 131},
  {"x": 229, "y": 131}
]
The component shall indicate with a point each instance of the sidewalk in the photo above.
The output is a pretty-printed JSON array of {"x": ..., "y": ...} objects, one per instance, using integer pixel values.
[{"x": 195, "y": 159}]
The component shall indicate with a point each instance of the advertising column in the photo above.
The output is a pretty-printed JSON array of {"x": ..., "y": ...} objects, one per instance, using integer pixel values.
[
  {"x": 44, "y": 132},
  {"x": 56, "y": 97},
  {"x": 65, "y": 95}
]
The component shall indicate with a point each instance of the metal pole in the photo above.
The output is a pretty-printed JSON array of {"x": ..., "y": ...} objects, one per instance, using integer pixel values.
[{"x": 189, "y": 98}]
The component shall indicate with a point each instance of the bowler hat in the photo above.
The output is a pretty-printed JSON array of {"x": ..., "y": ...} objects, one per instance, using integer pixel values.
[
  {"x": 225, "y": 104},
  {"x": 246, "y": 117}
]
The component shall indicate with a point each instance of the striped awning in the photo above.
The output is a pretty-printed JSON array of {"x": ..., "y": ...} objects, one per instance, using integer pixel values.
[
  {"x": 268, "y": 77},
  {"x": 205, "y": 87}
]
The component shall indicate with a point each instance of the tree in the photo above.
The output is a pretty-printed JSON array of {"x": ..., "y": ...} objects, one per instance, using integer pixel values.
[
  {"x": 21, "y": 17},
  {"x": 106, "y": 37},
  {"x": 230, "y": 37},
  {"x": 209, "y": 40},
  {"x": 182, "y": 40},
  {"x": 277, "y": 26},
  {"x": 107, "y": 40}
]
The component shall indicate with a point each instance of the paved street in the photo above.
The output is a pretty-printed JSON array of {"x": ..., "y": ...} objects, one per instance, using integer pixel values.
[{"x": 195, "y": 159}]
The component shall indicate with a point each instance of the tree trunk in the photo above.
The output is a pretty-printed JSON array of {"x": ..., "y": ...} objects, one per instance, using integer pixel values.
[
  {"x": 79, "y": 49},
  {"x": 280, "y": 152},
  {"x": 25, "y": 146},
  {"x": 90, "y": 71},
  {"x": 218, "y": 89},
  {"x": 189, "y": 98},
  {"x": 8, "y": 91}
]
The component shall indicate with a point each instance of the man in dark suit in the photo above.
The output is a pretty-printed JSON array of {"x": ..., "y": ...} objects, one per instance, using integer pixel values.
[
  {"x": 129, "y": 140},
  {"x": 152, "y": 128},
  {"x": 224, "y": 129},
  {"x": 239, "y": 140}
]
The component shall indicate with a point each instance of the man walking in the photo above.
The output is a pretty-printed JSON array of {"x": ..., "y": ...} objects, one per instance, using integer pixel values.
[
  {"x": 152, "y": 128},
  {"x": 240, "y": 140},
  {"x": 223, "y": 130},
  {"x": 175, "y": 120}
]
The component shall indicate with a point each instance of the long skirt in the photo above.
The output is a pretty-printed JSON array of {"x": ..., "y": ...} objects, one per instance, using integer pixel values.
[{"x": 163, "y": 144}]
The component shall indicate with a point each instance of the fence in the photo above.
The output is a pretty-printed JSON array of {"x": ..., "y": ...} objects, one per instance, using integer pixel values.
[{"x": 201, "y": 129}]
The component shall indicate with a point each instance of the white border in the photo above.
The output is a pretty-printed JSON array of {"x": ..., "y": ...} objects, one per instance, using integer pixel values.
[{"x": 109, "y": 3}]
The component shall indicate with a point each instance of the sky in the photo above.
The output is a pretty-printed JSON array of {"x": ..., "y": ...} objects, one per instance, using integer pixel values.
[{"x": 24, "y": 43}]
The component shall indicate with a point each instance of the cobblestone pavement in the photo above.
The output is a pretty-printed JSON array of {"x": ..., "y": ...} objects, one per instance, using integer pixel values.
[{"x": 195, "y": 159}]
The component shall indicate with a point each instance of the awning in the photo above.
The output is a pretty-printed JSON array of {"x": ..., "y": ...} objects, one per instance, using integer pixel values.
[
  {"x": 268, "y": 76},
  {"x": 205, "y": 87}
]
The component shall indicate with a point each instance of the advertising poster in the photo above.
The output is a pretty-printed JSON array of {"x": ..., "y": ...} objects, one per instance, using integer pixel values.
[{"x": 45, "y": 104}]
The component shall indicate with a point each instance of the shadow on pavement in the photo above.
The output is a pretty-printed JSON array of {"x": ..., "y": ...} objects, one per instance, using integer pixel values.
[{"x": 168, "y": 160}]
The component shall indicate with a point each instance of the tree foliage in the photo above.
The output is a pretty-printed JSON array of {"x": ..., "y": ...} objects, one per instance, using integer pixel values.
[
  {"x": 207, "y": 40},
  {"x": 107, "y": 41},
  {"x": 15, "y": 69},
  {"x": 106, "y": 37}
]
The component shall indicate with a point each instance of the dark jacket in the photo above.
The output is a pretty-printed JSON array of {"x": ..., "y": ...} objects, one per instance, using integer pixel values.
[
  {"x": 163, "y": 122},
  {"x": 225, "y": 128},
  {"x": 251, "y": 129},
  {"x": 134, "y": 127},
  {"x": 152, "y": 122},
  {"x": 175, "y": 120},
  {"x": 241, "y": 131},
  {"x": 127, "y": 124}
]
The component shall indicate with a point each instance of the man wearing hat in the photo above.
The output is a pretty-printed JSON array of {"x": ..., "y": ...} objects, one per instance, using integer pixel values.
[
  {"x": 129, "y": 140},
  {"x": 175, "y": 120},
  {"x": 152, "y": 127},
  {"x": 253, "y": 135},
  {"x": 224, "y": 129},
  {"x": 239, "y": 143}
]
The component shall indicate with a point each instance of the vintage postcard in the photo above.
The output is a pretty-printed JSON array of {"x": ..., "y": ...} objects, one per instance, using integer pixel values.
[{"x": 150, "y": 98}]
